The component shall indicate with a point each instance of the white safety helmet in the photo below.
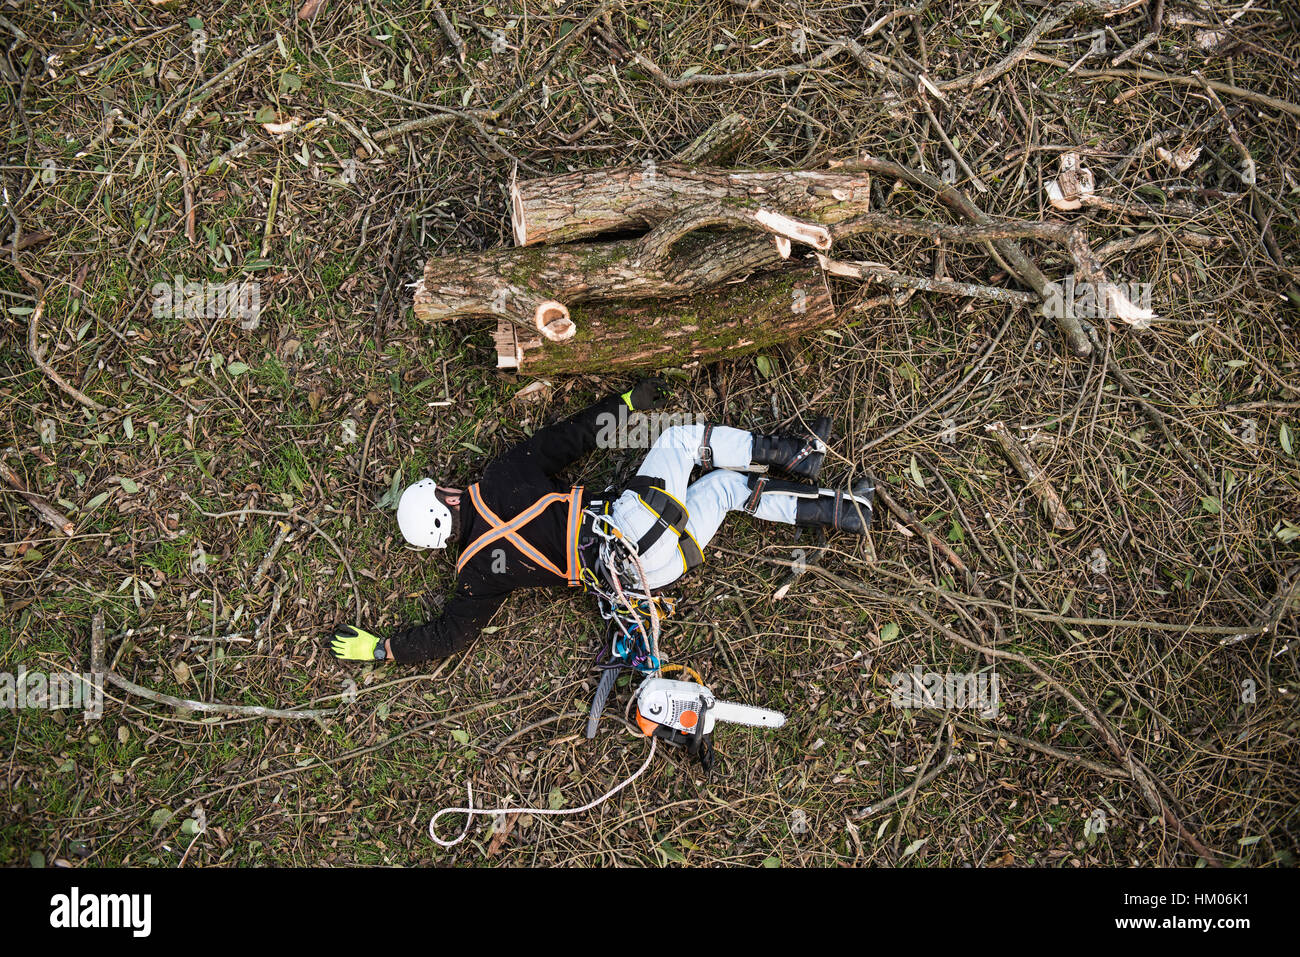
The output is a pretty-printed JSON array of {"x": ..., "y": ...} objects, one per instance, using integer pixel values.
[{"x": 424, "y": 519}]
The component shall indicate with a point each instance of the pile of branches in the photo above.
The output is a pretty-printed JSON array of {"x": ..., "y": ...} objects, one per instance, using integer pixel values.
[{"x": 655, "y": 265}]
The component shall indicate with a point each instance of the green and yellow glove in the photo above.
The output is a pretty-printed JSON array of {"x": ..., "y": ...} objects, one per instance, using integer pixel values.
[
  {"x": 354, "y": 644},
  {"x": 647, "y": 394}
]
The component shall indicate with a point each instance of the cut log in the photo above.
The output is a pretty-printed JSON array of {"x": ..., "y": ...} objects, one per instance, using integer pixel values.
[
  {"x": 720, "y": 144},
  {"x": 526, "y": 286},
  {"x": 572, "y": 206},
  {"x": 674, "y": 200},
  {"x": 725, "y": 321}
]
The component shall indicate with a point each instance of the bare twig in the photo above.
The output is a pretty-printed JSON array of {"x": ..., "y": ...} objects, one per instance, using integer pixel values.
[
  {"x": 449, "y": 31},
  {"x": 48, "y": 512},
  {"x": 33, "y": 349},
  {"x": 1070, "y": 326},
  {"x": 1053, "y": 505},
  {"x": 99, "y": 668}
]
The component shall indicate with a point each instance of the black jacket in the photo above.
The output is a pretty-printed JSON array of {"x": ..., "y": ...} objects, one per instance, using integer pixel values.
[{"x": 509, "y": 486}]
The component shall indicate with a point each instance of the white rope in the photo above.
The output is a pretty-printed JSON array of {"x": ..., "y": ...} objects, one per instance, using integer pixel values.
[
  {"x": 652, "y": 634},
  {"x": 470, "y": 811}
]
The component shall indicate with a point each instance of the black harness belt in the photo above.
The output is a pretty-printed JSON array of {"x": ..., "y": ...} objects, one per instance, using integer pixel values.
[{"x": 670, "y": 516}]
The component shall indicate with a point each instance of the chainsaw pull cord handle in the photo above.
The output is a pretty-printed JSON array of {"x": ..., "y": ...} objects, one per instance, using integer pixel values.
[
  {"x": 669, "y": 669},
  {"x": 470, "y": 811}
]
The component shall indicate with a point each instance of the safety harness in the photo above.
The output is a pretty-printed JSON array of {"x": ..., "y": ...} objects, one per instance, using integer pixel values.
[
  {"x": 580, "y": 538},
  {"x": 599, "y": 558},
  {"x": 705, "y": 453},
  {"x": 500, "y": 529},
  {"x": 670, "y": 516},
  {"x": 756, "y": 485}
]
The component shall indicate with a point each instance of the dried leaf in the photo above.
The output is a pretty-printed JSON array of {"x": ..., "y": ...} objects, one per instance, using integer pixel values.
[
  {"x": 280, "y": 127},
  {"x": 1073, "y": 184},
  {"x": 914, "y": 471},
  {"x": 310, "y": 9},
  {"x": 915, "y": 846},
  {"x": 534, "y": 391},
  {"x": 1180, "y": 159}
]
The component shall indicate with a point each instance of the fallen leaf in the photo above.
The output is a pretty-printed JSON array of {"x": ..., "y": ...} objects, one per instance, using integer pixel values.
[
  {"x": 1209, "y": 39},
  {"x": 1073, "y": 185},
  {"x": 1180, "y": 159},
  {"x": 160, "y": 817},
  {"x": 310, "y": 9},
  {"x": 534, "y": 391},
  {"x": 499, "y": 836}
]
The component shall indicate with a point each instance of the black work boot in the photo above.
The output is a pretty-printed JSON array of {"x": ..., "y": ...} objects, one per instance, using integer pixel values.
[
  {"x": 846, "y": 511},
  {"x": 799, "y": 456},
  {"x": 760, "y": 485}
]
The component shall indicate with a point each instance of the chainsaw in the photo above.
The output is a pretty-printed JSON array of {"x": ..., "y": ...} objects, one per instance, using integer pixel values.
[{"x": 683, "y": 714}]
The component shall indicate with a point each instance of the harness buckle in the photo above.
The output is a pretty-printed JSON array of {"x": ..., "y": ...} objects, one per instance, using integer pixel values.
[
  {"x": 705, "y": 451},
  {"x": 813, "y": 445}
]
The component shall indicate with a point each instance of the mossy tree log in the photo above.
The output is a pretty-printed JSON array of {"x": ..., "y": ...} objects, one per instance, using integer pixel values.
[
  {"x": 536, "y": 287},
  {"x": 725, "y": 321}
]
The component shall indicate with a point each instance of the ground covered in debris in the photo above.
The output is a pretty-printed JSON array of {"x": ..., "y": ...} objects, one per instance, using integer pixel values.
[{"x": 231, "y": 480}]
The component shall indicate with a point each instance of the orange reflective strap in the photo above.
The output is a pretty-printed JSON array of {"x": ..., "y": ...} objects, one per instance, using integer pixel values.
[
  {"x": 509, "y": 531},
  {"x": 571, "y": 536}
]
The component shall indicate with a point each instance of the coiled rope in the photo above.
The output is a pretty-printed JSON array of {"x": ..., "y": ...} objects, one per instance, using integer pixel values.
[
  {"x": 653, "y": 633},
  {"x": 470, "y": 811}
]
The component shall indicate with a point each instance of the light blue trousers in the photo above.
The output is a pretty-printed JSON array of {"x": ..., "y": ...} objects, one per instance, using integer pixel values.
[{"x": 671, "y": 458}]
